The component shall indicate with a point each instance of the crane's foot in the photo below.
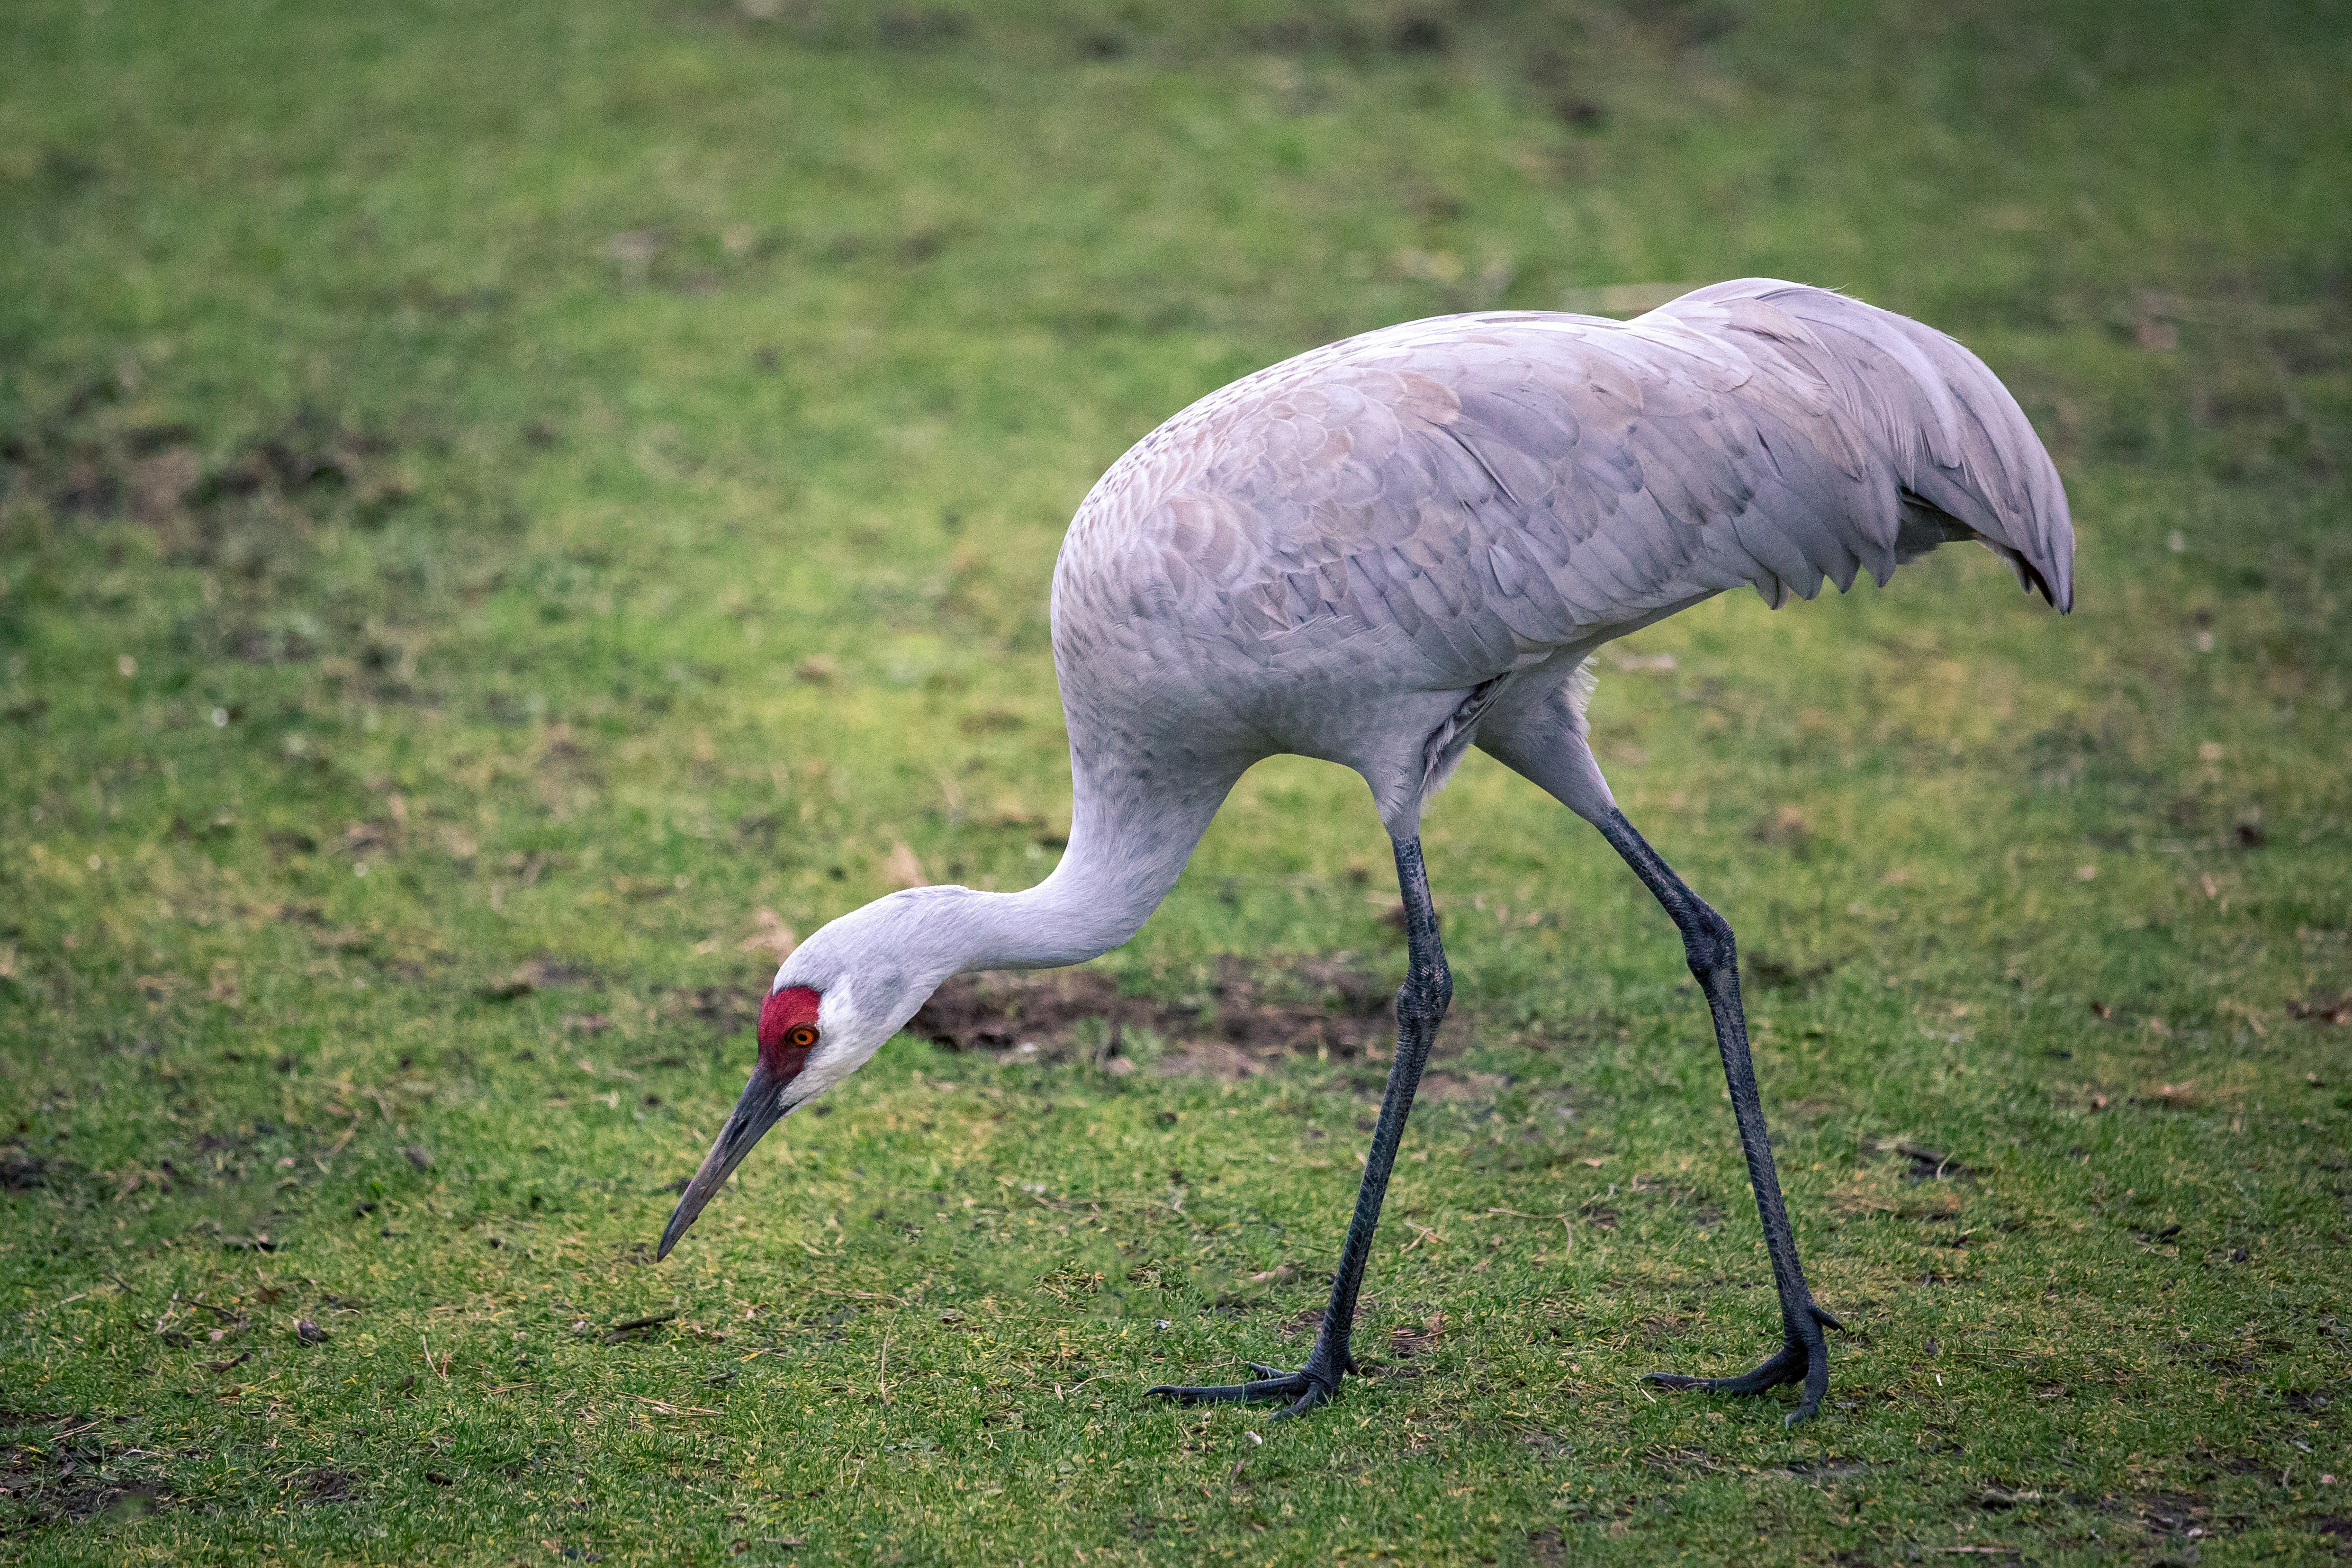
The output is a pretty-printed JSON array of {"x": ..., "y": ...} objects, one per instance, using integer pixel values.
[
  {"x": 1309, "y": 1386},
  {"x": 1803, "y": 1357}
]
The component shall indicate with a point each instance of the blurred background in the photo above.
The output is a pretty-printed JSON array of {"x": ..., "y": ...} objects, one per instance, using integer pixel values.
[
  {"x": 444, "y": 371},
  {"x": 509, "y": 513}
]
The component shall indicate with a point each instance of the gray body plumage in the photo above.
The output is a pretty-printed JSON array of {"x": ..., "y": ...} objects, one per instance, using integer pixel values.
[
  {"x": 1391, "y": 548},
  {"x": 1395, "y": 547}
]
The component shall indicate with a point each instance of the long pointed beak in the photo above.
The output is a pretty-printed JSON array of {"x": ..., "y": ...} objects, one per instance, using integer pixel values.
[{"x": 761, "y": 1107}]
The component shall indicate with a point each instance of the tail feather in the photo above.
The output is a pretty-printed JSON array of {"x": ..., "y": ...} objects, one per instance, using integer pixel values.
[{"x": 1964, "y": 457}]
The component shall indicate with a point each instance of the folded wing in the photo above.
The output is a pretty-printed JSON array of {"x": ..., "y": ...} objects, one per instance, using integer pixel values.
[{"x": 1481, "y": 488}]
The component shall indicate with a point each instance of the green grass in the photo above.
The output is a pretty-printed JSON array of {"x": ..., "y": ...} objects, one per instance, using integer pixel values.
[{"x": 490, "y": 487}]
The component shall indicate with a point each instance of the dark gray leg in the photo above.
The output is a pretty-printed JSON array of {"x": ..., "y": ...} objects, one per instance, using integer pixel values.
[
  {"x": 1804, "y": 1354},
  {"x": 1420, "y": 1004}
]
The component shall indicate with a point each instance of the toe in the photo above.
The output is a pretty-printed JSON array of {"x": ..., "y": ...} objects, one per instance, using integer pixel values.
[
  {"x": 1316, "y": 1394},
  {"x": 1789, "y": 1365},
  {"x": 1282, "y": 1387}
]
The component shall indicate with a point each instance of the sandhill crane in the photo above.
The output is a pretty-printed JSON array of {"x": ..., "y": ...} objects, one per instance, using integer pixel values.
[{"x": 1394, "y": 548}]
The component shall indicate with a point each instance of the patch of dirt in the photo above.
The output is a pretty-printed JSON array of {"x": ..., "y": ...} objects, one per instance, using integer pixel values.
[
  {"x": 1927, "y": 1164},
  {"x": 1248, "y": 1018},
  {"x": 1773, "y": 972},
  {"x": 1407, "y": 1341},
  {"x": 729, "y": 1007},
  {"x": 91, "y": 1495},
  {"x": 2322, "y": 1010},
  {"x": 1451, "y": 1088},
  {"x": 326, "y": 1485},
  {"x": 310, "y": 465},
  {"x": 251, "y": 512},
  {"x": 95, "y": 458},
  {"x": 542, "y": 974},
  {"x": 21, "y": 1170},
  {"x": 2173, "y": 1513},
  {"x": 56, "y": 1469}
]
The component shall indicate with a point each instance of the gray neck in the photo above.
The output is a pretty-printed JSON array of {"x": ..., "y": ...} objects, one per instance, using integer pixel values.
[
  {"x": 1123, "y": 857},
  {"x": 1107, "y": 883},
  {"x": 1126, "y": 847}
]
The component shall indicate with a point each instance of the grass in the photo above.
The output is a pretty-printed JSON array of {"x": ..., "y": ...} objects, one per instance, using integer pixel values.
[{"x": 497, "y": 497}]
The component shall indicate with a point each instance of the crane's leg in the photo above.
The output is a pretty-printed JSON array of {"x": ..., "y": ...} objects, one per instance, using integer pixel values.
[
  {"x": 1803, "y": 1355},
  {"x": 1420, "y": 1002}
]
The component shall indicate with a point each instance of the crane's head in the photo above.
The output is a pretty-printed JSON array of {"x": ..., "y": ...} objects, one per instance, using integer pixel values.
[{"x": 834, "y": 1002}]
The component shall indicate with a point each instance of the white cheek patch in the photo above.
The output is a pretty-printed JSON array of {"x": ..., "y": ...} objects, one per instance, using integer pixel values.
[
  {"x": 828, "y": 1067},
  {"x": 836, "y": 1017},
  {"x": 838, "y": 1053}
]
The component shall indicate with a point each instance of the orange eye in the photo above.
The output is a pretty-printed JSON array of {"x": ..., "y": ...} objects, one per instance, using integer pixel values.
[{"x": 802, "y": 1037}]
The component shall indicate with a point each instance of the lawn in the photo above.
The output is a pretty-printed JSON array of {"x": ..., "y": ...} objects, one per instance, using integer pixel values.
[{"x": 506, "y": 512}]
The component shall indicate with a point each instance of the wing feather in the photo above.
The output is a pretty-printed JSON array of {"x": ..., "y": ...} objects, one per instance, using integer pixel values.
[{"x": 1462, "y": 491}]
